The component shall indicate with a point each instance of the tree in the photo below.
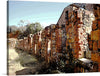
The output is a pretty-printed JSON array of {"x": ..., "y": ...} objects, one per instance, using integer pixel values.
[
  {"x": 31, "y": 29},
  {"x": 23, "y": 22},
  {"x": 38, "y": 27},
  {"x": 12, "y": 29},
  {"x": 22, "y": 25}
]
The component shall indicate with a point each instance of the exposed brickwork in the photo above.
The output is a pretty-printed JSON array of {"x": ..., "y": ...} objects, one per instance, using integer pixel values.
[{"x": 76, "y": 33}]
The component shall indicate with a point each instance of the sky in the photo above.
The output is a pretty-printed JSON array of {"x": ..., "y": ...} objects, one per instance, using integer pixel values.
[{"x": 45, "y": 13}]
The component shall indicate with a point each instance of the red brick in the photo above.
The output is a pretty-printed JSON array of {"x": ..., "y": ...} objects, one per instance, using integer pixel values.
[
  {"x": 99, "y": 44},
  {"x": 95, "y": 35},
  {"x": 95, "y": 46}
]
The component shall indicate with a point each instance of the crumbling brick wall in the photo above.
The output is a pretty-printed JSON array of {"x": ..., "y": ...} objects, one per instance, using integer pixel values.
[
  {"x": 77, "y": 30},
  {"x": 78, "y": 26},
  {"x": 94, "y": 37}
]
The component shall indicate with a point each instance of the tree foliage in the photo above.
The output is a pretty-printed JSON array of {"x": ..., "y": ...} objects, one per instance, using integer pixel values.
[
  {"x": 24, "y": 29},
  {"x": 12, "y": 28},
  {"x": 31, "y": 29}
]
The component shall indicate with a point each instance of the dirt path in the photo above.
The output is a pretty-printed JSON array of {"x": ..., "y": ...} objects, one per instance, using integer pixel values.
[
  {"x": 22, "y": 63},
  {"x": 19, "y": 60}
]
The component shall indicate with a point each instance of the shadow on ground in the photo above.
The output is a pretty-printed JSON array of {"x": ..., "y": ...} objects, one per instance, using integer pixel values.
[{"x": 33, "y": 65}]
